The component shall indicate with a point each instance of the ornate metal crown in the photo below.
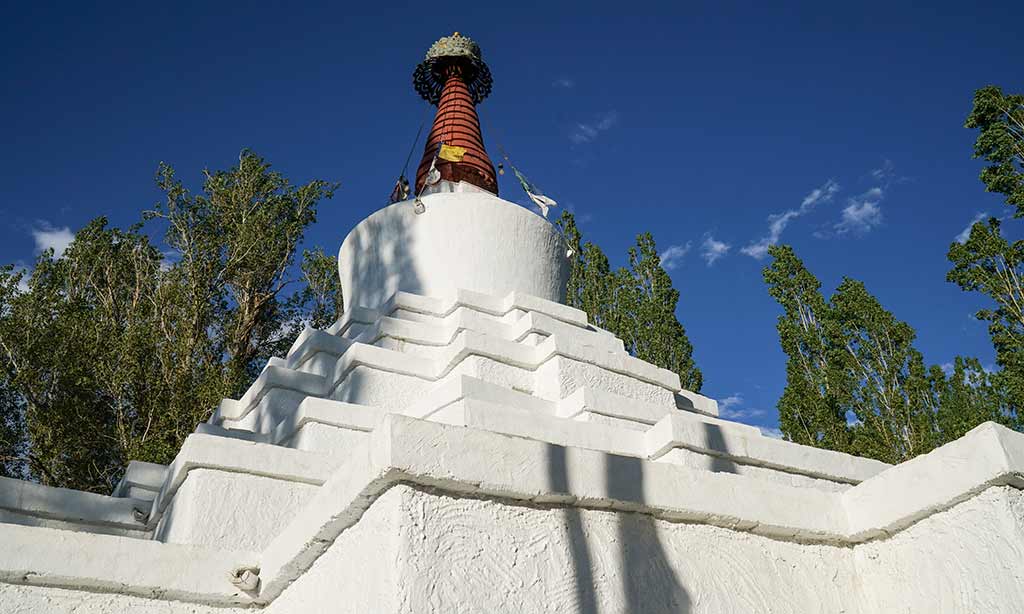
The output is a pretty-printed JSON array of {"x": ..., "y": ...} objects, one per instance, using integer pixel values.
[{"x": 452, "y": 51}]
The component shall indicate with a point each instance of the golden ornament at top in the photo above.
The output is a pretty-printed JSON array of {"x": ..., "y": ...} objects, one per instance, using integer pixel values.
[{"x": 455, "y": 45}]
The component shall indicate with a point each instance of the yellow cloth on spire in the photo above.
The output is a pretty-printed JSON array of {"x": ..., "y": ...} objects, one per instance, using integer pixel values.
[{"x": 451, "y": 153}]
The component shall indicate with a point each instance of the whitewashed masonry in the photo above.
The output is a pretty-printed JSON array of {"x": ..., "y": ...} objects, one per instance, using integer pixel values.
[{"x": 460, "y": 441}]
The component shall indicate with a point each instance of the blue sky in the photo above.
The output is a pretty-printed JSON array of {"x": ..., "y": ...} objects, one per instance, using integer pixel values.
[{"x": 718, "y": 126}]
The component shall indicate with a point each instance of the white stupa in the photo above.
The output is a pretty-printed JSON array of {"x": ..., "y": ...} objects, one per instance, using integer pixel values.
[{"x": 461, "y": 441}]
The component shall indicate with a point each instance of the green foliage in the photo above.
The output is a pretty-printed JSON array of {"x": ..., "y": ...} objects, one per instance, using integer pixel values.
[
  {"x": 810, "y": 411},
  {"x": 1000, "y": 121},
  {"x": 987, "y": 263},
  {"x": 855, "y": 382},
  {"x": 115, "y": 351},
  {"x": 636, "y": 304},
  {"x": 237, "y": 241}
]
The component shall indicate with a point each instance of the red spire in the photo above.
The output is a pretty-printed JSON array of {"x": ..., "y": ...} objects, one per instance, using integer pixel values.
[{"x": 456, "y": 124}]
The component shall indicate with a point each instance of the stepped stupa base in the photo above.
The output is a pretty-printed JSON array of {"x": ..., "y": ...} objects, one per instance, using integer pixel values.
[{"x": 477, "y": 453}]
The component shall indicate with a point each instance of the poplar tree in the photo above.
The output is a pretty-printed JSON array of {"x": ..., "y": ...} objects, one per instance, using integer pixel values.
[
  {"x": 117, "y": 348},
  {"x": 810, "y": 409},
  {"x": 637, "y": 304},
  {"x": 990, "y": 264},
  {"x": 999, "y": 119},
  {"x": 854, "y": 380},
  {"x": 987, "y": 262}
]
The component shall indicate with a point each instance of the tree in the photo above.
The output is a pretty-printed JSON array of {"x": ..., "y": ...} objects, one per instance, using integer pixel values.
[
  {"x": 116, "y": 350},
  {"x": 658, "y": 336},
  {"x": 969, "y": 396},
  {"x": 854, "y": 381},
  {"x": 810, "y": 409},
  {"x": 999, "y": 119},
  {"x": 636, "y": 304},
  {"x": 882, "y": 377},
  {"x": 237, "y": 241},
  {"x": 987, "y": 263}
]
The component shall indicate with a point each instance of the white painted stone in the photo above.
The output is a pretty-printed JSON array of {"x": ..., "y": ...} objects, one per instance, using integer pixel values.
[
  {"x": 130, "y": 567},
  {"x": 141, "y": 531},
  {"x": 989, "y": 455},
  {"x": 325, "y": 439},
  {"x": 432, "y": 254},
  {"x": 969, "y": 558},
  {"x": 680, "y": 431},
  {"x": 710, "y": 462},
  {"x": 481, "y": 447},
  {"x": 358, "y": 573},
  {"x": 250, "y": 510},
  {"x": 510, "y": 558},
  {"x": 82, "y": 509},
  {"x": 21, "y": 599}
]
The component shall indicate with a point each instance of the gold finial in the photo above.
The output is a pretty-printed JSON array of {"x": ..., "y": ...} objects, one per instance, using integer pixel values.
[{"x": 456, "y": 34}]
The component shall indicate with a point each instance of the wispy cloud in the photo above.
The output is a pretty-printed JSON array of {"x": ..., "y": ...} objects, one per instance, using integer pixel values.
[
  {"x": 673, "y": 256},
  {"x": 862, "y": 213},
  {"x": 563, "y": 83},
  {"x": 25, "y": 274},
  {"x": 729, "y": 402},
  {"x": 712, "y": 249},
  {"x": 885, "y": 173},
  {"x": 733, "y": 407},
  {"x": 47, "y": 237},
  {"x": 966, "y": 232},
  {"x": 777, "y": 222},
  {"x": 582, "y": 217},
  {"x": 587, "y": 132},
  {"x": 774, "y": 433}
]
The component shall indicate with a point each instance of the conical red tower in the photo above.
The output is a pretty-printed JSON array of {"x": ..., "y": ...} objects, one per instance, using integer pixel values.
[{"x": 455, "y": 78}]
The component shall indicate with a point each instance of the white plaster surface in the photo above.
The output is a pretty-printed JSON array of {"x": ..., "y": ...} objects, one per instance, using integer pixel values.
[
  {"x": 359, "y": 573},
  {"x": 326, "y": 439},
  {"x": 464, "y": 554},
  {"x": 709, "y": 462},
  {"x": 19, "y": 599},
  {"x": 434, "y": 254},
  {"x": 231, "y": 510},
  {"x": 482, "y": 448},
  {"x": 969, "y": 558}
]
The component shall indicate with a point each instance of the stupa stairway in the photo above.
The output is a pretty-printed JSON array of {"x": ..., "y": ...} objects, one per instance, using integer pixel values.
[{"x": 517, "y": 366}]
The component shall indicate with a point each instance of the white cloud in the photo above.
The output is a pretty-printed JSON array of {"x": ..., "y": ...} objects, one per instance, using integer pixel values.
[
  {"x": 673, "y": 256},
  {"x": 771, "y": 432},
  {"x": 966, "y": 232},
  {"x": 862, "y": 213},
  {"x": 819, "y": 195},
  {"x": 777, "y": 222},
  {"x": 712, "y": 249},
  {"x": 585, "y": 133},
  {"x": 25, "y": 274},
  {"x": 729, "y": 402},
  {"x": 732, "y": 408},
  {"x": 884, "y": 173},
  {"x": 563, "y": 83},
  {"x": 49, "y": 237}
]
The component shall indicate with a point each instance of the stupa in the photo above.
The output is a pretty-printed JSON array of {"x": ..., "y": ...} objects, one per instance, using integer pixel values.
[{"x": 461, "y": 441}]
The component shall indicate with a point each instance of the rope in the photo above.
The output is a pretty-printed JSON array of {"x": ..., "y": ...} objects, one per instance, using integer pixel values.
[{"x": 412, "y": 149}]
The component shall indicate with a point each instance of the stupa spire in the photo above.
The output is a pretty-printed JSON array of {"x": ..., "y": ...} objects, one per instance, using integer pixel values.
[{"x": 455, "y": 78}]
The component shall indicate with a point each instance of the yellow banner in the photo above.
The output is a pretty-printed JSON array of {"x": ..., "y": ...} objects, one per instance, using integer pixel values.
[{"x": 451, "y": 153}]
